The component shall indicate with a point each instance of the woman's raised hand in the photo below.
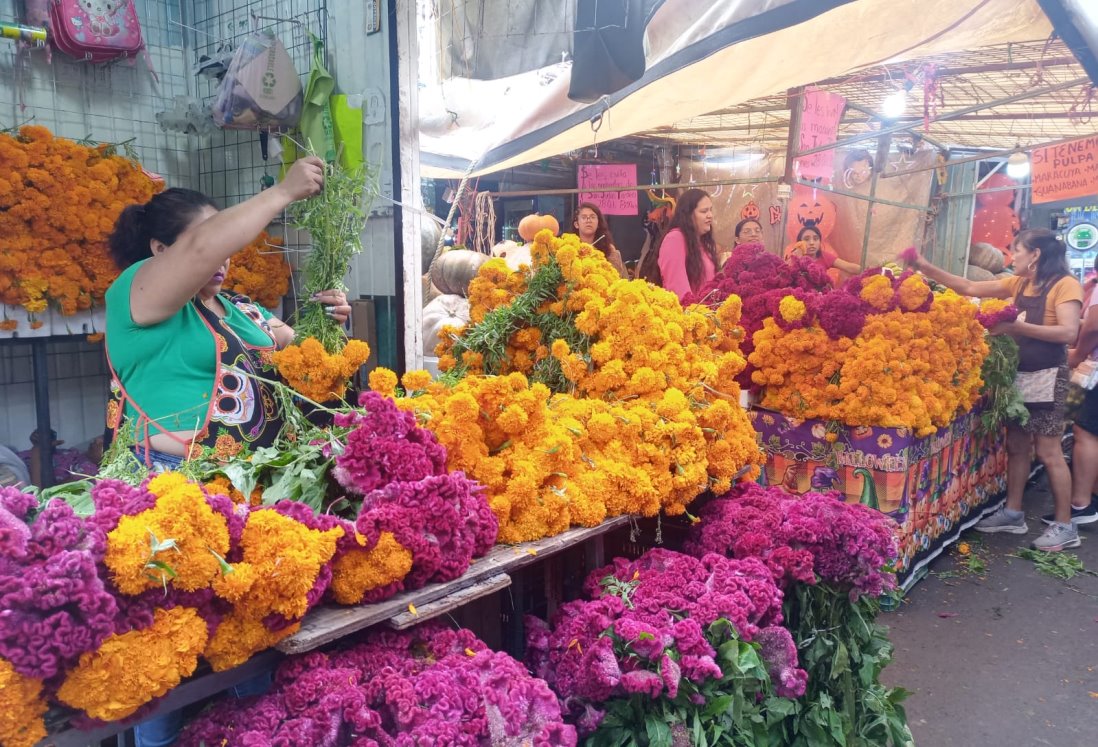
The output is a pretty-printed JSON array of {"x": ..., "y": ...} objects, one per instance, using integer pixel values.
[{"x": 304, "y": 179}]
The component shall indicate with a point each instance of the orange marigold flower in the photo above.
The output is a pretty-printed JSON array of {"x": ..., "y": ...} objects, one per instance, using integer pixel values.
[{"x": 21, "y": 708}]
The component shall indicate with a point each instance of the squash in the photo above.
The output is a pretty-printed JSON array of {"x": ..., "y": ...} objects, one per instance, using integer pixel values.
[
  {"x": 529, "y": 226},
  {"x": 454, "y": 270},
  {"x": 446, "y": 310},
  {"x": 515, "y": 255},
  {"x": 978, "y": 273},
  {"x": 429, "y": 234},
  {"x": 987, "y": 257},
  {"x": 430, "y": 292}
]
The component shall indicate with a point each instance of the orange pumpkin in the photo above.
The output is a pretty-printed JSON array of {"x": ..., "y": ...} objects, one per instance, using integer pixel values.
[
  {"x": 810, "y": 207},
  {"x": 750, "y": 211},
  {"x": 529, "y": 226}
]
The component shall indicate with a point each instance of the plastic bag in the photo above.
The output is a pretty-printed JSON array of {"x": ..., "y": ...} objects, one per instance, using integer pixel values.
[{"x": 261, "y": 89}]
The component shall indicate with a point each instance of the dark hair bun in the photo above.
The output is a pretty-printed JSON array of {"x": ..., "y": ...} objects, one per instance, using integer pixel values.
[{"x": 162, "y": 218}]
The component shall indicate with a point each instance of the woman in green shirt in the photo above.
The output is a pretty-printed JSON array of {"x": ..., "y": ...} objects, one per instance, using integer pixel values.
[{"x": 176, "y": 344}]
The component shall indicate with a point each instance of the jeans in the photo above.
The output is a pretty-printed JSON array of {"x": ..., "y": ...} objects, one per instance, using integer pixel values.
[
  {"x": 162, "y": 731},
  {"x": 157, "y": 461}
]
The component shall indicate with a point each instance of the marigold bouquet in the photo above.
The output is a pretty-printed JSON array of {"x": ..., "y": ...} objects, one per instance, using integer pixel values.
[
  {"x": 430, "y": 685},
  {"x": 322, "y": 359},
  {"x": 59, "y": 200}
]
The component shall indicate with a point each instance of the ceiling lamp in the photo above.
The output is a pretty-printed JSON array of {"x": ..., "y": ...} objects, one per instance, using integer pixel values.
[{"x": 1018, "y": 165}]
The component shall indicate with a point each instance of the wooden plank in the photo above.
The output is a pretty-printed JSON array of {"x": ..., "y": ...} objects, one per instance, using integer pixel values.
[
  {"x": 330, "y": 623},
  {"x": 450, "y": 602}
]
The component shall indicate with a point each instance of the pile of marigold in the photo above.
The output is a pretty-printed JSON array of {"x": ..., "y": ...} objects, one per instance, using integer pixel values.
[
  {"x": 59, "y": 200},
  {"x": 260, "y": 271},
  {"x": 316, "y": 373},
  {"x": 575, "y": 395},
  {"x": 885, "y": 350}
]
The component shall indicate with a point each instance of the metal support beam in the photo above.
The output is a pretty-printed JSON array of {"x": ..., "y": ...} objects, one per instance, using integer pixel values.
[
  {"x": 989, "y": 154},
  {"x": 863, "y": 198},
  {"x": 950, "y": 115},
  {"x": 40, "y": 365},
  {"x": 945, "y": 72},
  {"x": 636, "y": 187}
]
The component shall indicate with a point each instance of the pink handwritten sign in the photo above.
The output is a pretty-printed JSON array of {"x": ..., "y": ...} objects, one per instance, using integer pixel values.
[
  {"x": 602, "y": 176},
  {"x": 819, "y": 126}
]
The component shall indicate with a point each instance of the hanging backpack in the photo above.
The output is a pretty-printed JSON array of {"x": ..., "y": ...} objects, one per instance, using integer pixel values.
[{"x": 96, "y": 30}]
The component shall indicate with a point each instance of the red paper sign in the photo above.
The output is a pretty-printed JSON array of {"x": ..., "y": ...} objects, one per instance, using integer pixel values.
[
  {"x": 1062, "y": 172},
  {"x": 819, "y": 126},
  {"x": 609, "y": 175}
]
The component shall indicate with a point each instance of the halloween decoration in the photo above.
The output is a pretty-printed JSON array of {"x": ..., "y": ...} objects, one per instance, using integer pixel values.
[
  {"x": 810, "y": 207},
  {"x": 775, "y": 214},
  {"x": 857, "y": 168},
  {"x": 1000, "y": 198},
  {"x": 750, "y": 211},
  {"x": 995, "y": 225}
]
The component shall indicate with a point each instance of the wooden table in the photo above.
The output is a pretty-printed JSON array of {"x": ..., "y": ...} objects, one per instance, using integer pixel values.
[{"x": 327, "y": 624}]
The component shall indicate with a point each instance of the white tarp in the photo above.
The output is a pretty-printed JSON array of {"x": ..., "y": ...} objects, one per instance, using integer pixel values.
[{"x": 702, "y": 56}]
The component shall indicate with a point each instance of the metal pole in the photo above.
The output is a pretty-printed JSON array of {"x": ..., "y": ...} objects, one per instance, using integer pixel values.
[
  {"x": 794, "y": 98},
  {"x": 883, "y": 145},
  {"x": 635, "y": 188},
  {"x": 42, "y": 411},
  {"x": 949, "y": 115}
]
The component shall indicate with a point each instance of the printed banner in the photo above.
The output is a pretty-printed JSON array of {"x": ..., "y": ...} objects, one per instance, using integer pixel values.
[
  {"x": 600, "y": 176},
  {"x": 819, "y": 126},
  {"x": 1063, "y": 172}
]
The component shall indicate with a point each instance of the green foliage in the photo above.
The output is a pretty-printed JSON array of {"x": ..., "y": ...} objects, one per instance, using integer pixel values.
[
  {"x": 1061, "y": 565},
  {"x": 844, "y": 651},
  {"x": 334, "y": 219},
  {"x": 489, "y": 338},
  {"x": 1004, "y": 401},
  {"x": 739, "y": 710}
]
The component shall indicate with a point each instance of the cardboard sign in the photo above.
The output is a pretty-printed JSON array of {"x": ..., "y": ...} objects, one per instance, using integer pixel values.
[
  {"x": 819, "y": 126},
  {"x": 1063, "y": 172},
  {"x": 593, "y": 176}
]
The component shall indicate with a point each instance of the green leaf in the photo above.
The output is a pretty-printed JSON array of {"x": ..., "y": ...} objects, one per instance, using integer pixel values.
[
  {"x": 242, "y": 476},
  {"x": 840, "y": 663},
  {"x": 658, "y": 730},
  {"x": 162, "y": 567}
]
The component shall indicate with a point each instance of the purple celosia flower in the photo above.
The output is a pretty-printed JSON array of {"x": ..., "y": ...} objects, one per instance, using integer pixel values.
[
  {"x": 800, "y": 538},
  {"x": 779, "y": 653}
]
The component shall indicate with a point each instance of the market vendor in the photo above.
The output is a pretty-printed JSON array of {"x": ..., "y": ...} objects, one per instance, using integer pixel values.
[
  {"x": 175, "y": 343},
  {"x": 592, "y": 228},
  {"x": 687, "y": 252},
  {"x": 1048, "y": 298},
  {"x": 810, "y": 244},
  {"x": 1083, "y": 359}
]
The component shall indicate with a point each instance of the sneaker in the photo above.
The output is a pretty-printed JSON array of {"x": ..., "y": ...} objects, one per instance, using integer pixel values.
[
  {"x": 1079, "y": 516},
  {"x": 1000, "y": 522},
  {"x": 1057, "y": 537}
]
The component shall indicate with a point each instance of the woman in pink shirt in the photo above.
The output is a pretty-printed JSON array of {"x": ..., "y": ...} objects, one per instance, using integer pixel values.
[{"x": 687, "y": 253}]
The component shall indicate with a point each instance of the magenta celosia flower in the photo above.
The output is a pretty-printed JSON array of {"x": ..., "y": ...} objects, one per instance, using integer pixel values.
[
  {"x": 385, "y": 446},
  {"x": 430, "y": 685},
  {"x": 800, "y": 538},
  {"x": 989, "y": 320},
  {"x": 53, "y": 604}
]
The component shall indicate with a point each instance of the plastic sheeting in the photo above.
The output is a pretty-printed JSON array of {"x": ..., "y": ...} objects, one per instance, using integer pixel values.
[{"x": 702, "y": 56}]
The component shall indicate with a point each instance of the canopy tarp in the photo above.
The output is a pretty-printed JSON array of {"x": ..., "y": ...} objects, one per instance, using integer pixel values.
[{"x": 701, "y": 56}]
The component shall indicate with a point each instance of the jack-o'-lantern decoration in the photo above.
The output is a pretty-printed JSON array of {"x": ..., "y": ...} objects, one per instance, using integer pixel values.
[
  {"x": 750, "y": 211},
  {"x": 810, "y": 207}
]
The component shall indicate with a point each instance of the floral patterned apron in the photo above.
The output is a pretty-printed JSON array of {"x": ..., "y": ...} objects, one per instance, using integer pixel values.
[{"x": 242, "y": 412}]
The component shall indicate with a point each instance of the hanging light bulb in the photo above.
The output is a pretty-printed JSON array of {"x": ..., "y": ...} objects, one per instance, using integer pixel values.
[
  {"x": 894, "y": 104},
  {"x": 1018, "y": 165}
]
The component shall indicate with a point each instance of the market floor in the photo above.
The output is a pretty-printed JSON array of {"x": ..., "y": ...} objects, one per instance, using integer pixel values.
[{"x": 1001, "y": 655}]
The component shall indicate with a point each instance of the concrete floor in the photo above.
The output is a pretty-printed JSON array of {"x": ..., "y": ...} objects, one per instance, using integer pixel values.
[{"x": 1005, "y": 657}]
